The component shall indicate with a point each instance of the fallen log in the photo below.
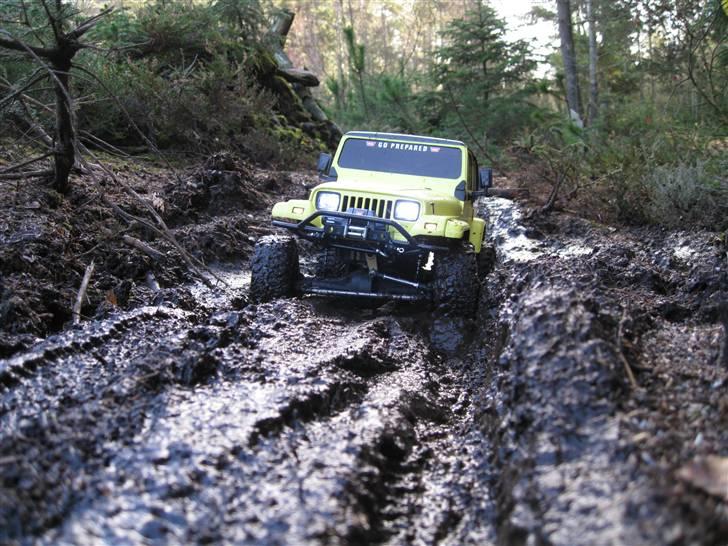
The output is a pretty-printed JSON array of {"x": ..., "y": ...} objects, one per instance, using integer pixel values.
[
  {"x": 153, "y": 253},
  {"x": 276, "y": 40},
  {"x": 299, "y": 76},
  {"x": 25, "y": 174},
  {"x": 76, "y": 312}
]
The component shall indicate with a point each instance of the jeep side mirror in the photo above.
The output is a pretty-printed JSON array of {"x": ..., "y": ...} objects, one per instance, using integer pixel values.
[
  {"x": 485, "y": 178},
  {"x": 324, "y": 163}
]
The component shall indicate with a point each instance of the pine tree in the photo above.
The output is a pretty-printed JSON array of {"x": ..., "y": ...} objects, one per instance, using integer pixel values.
[{"x": 482, "y": 74}]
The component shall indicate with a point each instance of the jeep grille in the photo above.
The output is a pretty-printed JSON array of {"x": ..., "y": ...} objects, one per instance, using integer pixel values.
[{"x": 382, "y": 208}]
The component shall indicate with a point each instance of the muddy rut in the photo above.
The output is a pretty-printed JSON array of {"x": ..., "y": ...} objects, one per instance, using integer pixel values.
[{"x": 559, "y": 417}]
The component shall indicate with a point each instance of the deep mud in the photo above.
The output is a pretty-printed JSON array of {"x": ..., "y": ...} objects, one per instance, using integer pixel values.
[{"x": 189, "y": 415}]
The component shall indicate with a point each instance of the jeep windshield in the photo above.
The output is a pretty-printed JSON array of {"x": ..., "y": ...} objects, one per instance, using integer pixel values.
[{"x": 414, "y": 158}]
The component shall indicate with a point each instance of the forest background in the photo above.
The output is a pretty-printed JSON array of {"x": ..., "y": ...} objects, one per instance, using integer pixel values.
[{"x": 626, "y": 119}]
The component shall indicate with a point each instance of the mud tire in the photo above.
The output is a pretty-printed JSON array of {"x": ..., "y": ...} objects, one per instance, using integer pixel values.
[
  {"x": 332, "y": 263},
  {"x": 456, "y": 286},
  {"x": 274, "y": 268}
]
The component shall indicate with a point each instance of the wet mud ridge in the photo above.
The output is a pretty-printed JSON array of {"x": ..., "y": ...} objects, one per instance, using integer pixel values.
[{"x": 563, "y": 416}]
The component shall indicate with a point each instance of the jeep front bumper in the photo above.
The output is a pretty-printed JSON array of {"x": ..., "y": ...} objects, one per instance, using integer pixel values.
[{"x": 358, "y": 232}]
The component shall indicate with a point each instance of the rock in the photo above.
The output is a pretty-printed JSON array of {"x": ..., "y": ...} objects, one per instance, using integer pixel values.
[{"x": 707, "y": 473}]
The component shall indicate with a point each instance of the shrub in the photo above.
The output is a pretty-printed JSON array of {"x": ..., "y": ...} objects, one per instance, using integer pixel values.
[{"x": 688, "y": 194}]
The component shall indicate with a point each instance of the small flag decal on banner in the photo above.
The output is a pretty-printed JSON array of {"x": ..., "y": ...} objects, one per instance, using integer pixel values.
[
  {"x": 433, "y": 149},
  {"x": 371, "y": 143}
]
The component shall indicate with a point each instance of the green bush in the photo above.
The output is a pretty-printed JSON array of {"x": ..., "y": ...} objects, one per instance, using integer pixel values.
[
  {"x": 186, "y": 76},
  {"x": 688, "y": 194}
]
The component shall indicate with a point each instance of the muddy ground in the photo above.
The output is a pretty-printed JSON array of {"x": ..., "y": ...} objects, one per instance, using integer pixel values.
[{"x": 577, "y": 409}]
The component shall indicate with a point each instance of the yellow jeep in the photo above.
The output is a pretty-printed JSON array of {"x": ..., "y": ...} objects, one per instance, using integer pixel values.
[{"x": 393, "y": 218}]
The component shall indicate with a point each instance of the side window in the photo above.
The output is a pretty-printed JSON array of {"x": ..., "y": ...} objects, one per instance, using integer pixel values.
[{"x": 472, "y": 172}]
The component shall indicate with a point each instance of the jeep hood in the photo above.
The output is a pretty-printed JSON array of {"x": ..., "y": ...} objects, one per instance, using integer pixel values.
[{"x": 415, "y": 187}]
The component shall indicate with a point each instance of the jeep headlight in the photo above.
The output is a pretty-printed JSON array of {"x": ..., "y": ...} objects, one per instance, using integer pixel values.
[
  {"x": 406, "y": 210},
  {"x": 327, "y": 200}
]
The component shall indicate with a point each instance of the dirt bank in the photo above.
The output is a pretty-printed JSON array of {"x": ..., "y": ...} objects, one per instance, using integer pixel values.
[
  {"x": 609, "y": 380},
  {"x": 215, "y": 210}
]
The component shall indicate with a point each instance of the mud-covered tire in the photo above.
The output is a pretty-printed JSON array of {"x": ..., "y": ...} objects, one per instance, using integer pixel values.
[
  {"x": 332, "y": 263},
  {"x": 456, "y": 286},
  {"x": 274, "y": 268}
]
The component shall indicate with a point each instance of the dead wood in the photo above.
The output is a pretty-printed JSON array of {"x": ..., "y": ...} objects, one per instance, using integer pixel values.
[
  {"x": 57, "y": 61},
  {"x": 26, "y": 174},
  {"x": 153, "y": 253},
  {"x": 24, "y": 163},
  {"x": 620, "y": 352},
  {"x": 304, "y": 78},
  {"x": 161, "y": 229},
  {"x": 76, "y": 313},
  {"x": 299, "y": 76},
  {"x": 553, "y": 195}
]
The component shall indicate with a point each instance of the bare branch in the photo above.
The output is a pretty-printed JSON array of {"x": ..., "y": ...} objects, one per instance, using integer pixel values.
[
  {"x": 110, "y": 148},
  {"x": 11, "y": 42},
  {"x": 76, "y": 313},
  {"x": 52, "y": 20},
  {"x": 37, "y": 56},
  {"x": 24, "y": 163},
  {"x": 160, "y": 230},
  {"x": 28, "y": 174},
  {"x": 153, "y": 253},
  {"x": 87, "y": 25},
  {"x": 35, "y": 77}
]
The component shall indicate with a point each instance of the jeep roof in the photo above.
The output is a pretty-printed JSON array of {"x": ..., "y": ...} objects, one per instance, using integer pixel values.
[{"x": 408, "y": 138}]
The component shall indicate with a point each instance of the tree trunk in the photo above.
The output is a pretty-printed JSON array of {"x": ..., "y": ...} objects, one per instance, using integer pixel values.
[
  {"x": 65, "y": 149},
  {"x": 59, "y": 59},
  {"x": 573, "y": 99},
  {"x": 362, "y": 91},
  {"x": 593, "y": 112},
  {"x": 339, "y": 7}
]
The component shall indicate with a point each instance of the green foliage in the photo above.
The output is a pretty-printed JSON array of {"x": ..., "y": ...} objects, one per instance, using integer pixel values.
[
  {"x": 185, "y": 75},
  {"x": 356, "y": 51},
  {"x": 637, "y": 166},
  {"x": 476, "y": 86},
  {"x": 484, "y": 79},
  {"x": 356, "y": 65}
]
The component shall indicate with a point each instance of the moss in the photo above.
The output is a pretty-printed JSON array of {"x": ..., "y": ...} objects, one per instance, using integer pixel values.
[{"x": 288, "y": 133}]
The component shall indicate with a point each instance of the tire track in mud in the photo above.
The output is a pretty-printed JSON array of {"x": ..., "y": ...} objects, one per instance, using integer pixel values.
[
  {"x": 286, "y": 421},
  {"x": 60, "y": 422},
  {"x": 14, "y": 369}
]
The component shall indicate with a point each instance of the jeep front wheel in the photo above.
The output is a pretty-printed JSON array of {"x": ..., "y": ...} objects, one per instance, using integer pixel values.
[
  {"x": 455, "y": 287},
  {"x": 274, "y": 268}
]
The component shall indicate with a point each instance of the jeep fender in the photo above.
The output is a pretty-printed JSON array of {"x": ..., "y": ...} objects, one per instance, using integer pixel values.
[
  {"x": 455, "y": 229},
  {"x": 477, "y": 230},
  {"x": 295, "y": 209}
]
